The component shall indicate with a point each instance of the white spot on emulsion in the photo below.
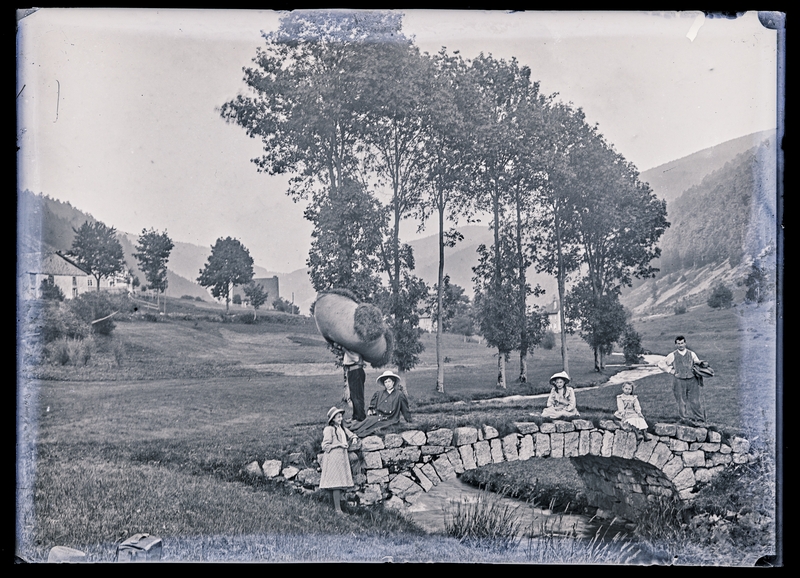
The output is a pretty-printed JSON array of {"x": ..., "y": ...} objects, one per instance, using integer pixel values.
[{"x": 698, "y": 22}]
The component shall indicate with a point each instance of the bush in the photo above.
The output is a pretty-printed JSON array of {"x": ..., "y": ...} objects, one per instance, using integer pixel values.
[
  {"x": 50, "y": 291},
  {"x": 188, "y": 297},
  {"x": 680, "y": 309},
  {"x": 198, "y": 298},
  {"x": 631, "y": 345},
  {"x": 237, "y": 299},
  {"x": 99, "y": 304},
  {"x": 59, "y": 322},
  {"x": 721, "y": 297},
  {"x": 74, "y": 351},
  {"x": 549, "y": 340}
]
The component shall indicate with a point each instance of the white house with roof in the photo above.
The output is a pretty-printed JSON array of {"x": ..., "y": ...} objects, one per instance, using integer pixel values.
[
  {"x": 65, "y": 274},
  {"x": 552, "y": 309}
]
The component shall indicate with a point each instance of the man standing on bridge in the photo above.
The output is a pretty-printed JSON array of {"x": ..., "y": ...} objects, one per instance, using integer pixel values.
[{"x": 684, "y": 384}]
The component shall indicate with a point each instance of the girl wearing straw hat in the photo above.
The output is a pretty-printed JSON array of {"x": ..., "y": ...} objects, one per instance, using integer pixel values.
[
  {"x": 561, "y": 402},
  {"x": 336, "y": 474},
  {"x": 385, "y": 407}
]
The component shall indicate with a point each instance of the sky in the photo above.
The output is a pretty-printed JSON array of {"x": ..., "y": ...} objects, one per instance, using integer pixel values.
[{"x": 117, "y": 109}]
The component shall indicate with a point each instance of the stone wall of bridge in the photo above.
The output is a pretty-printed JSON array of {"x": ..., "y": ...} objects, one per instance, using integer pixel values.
[{"x": 620, "y": 472}]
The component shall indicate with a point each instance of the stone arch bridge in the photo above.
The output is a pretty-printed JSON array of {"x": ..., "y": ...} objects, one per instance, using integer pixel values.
[{"x": 621, "y": 474}]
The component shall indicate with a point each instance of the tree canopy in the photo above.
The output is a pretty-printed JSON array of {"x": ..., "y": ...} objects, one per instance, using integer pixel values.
[
  {"x": 97, "y": 250},
  {"x": 229, "y": 264},
  {"x": 152, "y": 252}
]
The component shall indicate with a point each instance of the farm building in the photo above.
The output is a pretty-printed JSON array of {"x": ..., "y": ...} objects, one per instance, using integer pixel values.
[
  {"x": 552, "y": 310},
  {"x": 64, "y": 274}
]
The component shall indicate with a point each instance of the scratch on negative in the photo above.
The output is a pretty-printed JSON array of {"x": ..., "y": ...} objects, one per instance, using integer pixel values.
[
  {"x": 21, "y": 89},
  {"x": 58, "y": 99}
]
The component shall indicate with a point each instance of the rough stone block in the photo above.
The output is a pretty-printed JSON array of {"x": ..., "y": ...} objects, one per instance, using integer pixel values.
[
  {"x": 414, "y": 437},
  {"x": 490, "y": 433},
  {"x": 432, "y": 450},
  {"x": 548, "y": 427},
  {"x": 608, "y": 444},
  {"x": 666, "y": 429},
  {"x": 740, "y": 458},
  {"x": 582, "y": 424},
  {"x": 409, "y": 454},
  {"x": 557, "y": 445},
  {"x": 392, "y": 440},
  {"x": 423, "y": 480},
  {"x": 629, "y": 445},
  {"x": 709, "y": 447},
  {"x": 378, "y": 476},
  {"x": 739, "y": 445},
  {"x": 686, "y": 494},
  {"x": 370, "y": 495},
  {"x": 701, "y": 434},
  {"x": 440, "y": 437},
  {"x": 372, "y": 444},
  {"x": 372, "y": 461},
  {"x": 571, "y": 443},
  {"x": 510, "y": 452},
  {"x": 455, "y": 460},
  {"x": 718, "y": 460},
  {"x": 661, "y": 454},
  {"x": 563, "y": 426},
  {"x": 595, "y": 443},
  {"x": 271, "y": 468},
  {"x": 431, "y": 474},
  {"x": 496, "y": 446},
  {"x": 703, "y": 475},
  {"x": 467, "y": 454},
  {"x": 542, "y": 444},
  {"x": 673, "y": 467},
  {"x": 400, "y": 484},
  {"x": 464, "y": 435},
  {"x": 444, "y": 468},
  {"x": 684, "y": 480},
  {"x": 584, "y": 444},
  {"x": 685, "y": 433},
  {"x": 526, "y": 427},
  {"x": 696, "y": 459},
  {"x": 608, "y": 424},
  {"x": 714, "y": 437},
  {"x": 677, "y": 445},
  {"x": 483, "y": 453},
  {"x": 253, "y": 469},
  {"x": 526, "y": 448},
  {"x": 480, "y": 435},
  {"x": 645, "y": 450},
  {"x": 390, "y": 456},
  {"x": 637, "y": 488},
  {"x": 395, "y": 503},
  {"x": 309, "y": 477},
  {"x": 725, "y": 449},
  {"x": 289, "y": 472}
]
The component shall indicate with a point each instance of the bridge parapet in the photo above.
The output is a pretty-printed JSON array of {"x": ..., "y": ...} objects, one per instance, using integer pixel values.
[{"x": 621, "y": 473}]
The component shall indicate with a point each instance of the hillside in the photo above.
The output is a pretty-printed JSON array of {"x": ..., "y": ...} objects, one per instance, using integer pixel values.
[{"x": 672, "y": 179}]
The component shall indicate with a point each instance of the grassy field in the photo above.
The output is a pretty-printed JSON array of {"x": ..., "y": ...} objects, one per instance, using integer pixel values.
[{"x": 155, "y": 442}]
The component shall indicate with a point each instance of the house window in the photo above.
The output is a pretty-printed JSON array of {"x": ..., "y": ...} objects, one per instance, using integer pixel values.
[
  {"x": 74, "y": 281},
  {"x": 51, "y": 279},
  {"x": 89, "y": 282},
  {"x": 74, "y": 291},
  {"x": 111, "y": 282}
]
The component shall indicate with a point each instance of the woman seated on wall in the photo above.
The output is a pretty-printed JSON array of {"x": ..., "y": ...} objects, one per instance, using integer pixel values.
[
  {"x": 384, "y": 408},
  {"x": 561, "y": 402}
]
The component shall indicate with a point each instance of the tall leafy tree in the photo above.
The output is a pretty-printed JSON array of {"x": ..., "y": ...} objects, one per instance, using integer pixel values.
[
  {"x": 600, "y": 318},
  {"x": 618, "y": 221},
  {"x": 152, "y": 252},
  {"x": 256, "y": 295},
  {"x": 229, "y": 264},
  {"x": 97, "y": 250},
  {"x": 346, "y": 241}
]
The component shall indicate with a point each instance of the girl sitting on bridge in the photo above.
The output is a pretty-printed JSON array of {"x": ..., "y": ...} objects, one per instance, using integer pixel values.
[
  {"x": 561, "y": 402},
  {"x": 630, "y": 412}
]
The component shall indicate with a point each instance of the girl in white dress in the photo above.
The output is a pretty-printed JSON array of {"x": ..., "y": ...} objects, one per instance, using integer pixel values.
[
  {"x": 630, "y": 412},
  {"x": 336, "y": 474}
]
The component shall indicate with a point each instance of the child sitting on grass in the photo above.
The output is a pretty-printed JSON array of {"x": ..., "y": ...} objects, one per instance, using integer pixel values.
[{"x": 630, "y": 412}]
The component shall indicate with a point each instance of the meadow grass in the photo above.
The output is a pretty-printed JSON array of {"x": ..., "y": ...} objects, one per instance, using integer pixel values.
[{"x": 165, "y": 415}]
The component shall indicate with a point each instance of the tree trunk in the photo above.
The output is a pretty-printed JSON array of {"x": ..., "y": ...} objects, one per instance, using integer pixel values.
[
  {"x": 561, "y": 291},
  {"x": 439, "y": 307},
  {"x": 597, "y": 359},
  {"x": 501, "y": 369},
  {"x": 523, "y": 367}
]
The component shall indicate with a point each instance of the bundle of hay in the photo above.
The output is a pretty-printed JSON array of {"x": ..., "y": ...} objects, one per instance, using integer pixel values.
[{"x": 356, "y": 326}]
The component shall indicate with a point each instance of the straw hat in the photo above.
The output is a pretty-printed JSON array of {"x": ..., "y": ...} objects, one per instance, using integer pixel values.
[
  {"x": 386, "y": 374},
  {"x": 562, "y": 374},
  {"x": 332, "y": 412}
]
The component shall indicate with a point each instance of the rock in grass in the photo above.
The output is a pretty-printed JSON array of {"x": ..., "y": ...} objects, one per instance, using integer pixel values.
[
  {"x": 253, "y": 469},
  {"x": 59, "y": 554},
  {"x": 271, "y": 468},
  {"x": 289, "y": 472}
]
